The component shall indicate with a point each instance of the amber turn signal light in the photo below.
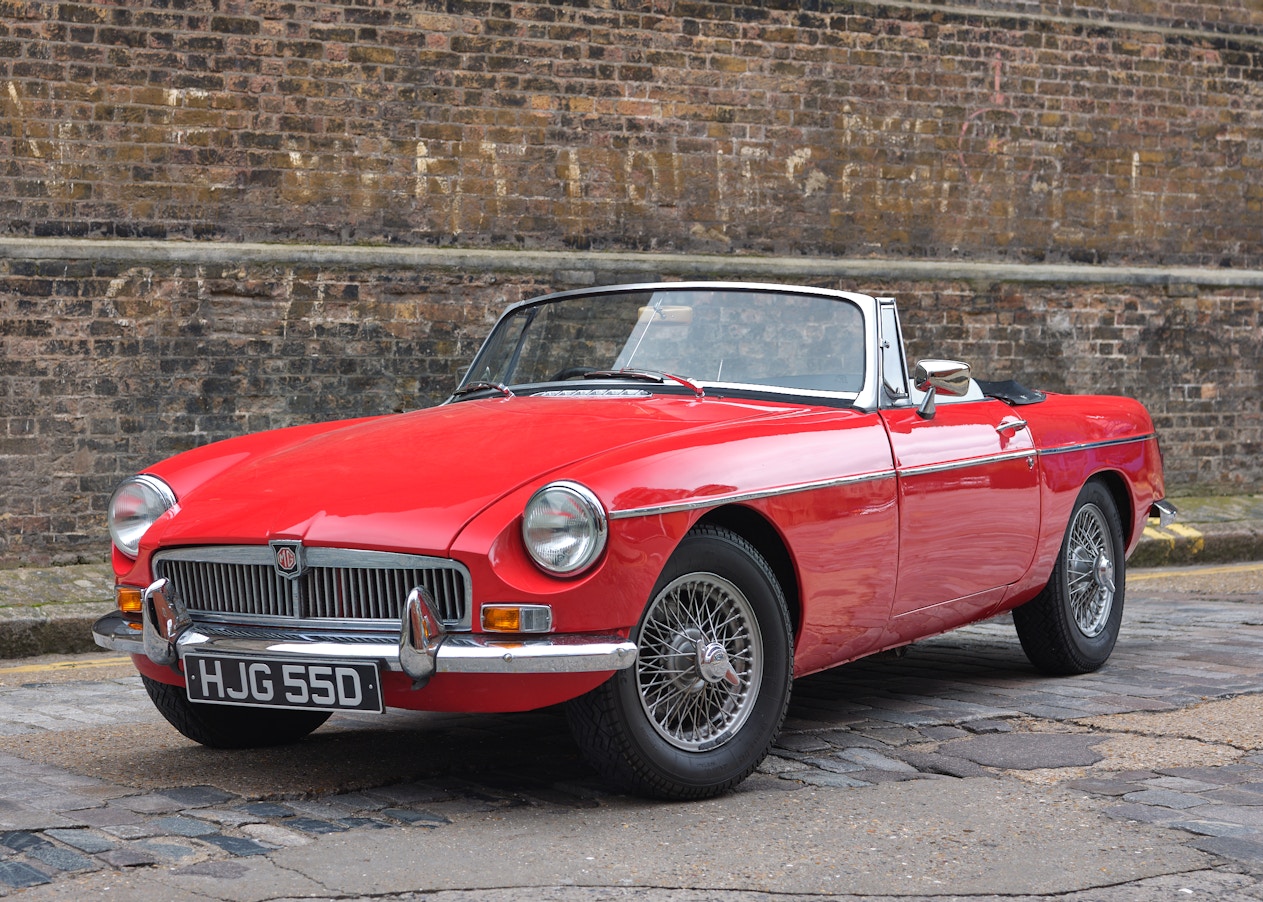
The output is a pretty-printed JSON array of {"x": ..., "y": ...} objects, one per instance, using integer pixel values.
[
  {"x": 128, "y": 599},
  {"x": 517, "y": 618}
]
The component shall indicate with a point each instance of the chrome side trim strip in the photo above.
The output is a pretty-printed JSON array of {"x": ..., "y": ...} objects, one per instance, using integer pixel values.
[
  {"x": 1090, "y": 446},
  {"x": 1017, "y": 455},
  {"x": 738, "y": 497},
  {"x": 927, "y": 469}
]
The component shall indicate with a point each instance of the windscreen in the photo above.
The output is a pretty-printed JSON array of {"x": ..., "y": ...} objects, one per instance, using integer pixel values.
[{"x": 710, "y": 336}]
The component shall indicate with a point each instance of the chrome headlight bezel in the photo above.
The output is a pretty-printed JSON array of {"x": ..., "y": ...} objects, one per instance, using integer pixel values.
[
  {"x": 135, "y": 506},
  {"x": 564, "y": 528}
]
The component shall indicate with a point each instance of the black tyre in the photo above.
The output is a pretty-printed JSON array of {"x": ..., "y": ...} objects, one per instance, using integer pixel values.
[
  {"x": 709, "y": 691},
  {"x": 1072, "y": 625},
  {"x": 228, "y": 727}
]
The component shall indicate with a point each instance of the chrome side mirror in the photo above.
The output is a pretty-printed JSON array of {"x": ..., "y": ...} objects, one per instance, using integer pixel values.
[{"x": 933, "y": 376}]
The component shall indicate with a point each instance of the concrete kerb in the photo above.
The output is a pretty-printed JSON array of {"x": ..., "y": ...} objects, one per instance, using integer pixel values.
[
  {"x": 50, "y": 610},
  {"x": 1210, "y": 530}
]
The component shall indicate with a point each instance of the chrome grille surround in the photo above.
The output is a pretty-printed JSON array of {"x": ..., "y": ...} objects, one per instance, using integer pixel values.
[{"x": 341, "y": 589}]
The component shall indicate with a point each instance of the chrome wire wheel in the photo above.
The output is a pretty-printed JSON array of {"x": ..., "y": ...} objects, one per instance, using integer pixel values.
[
  {"x": 708, "y": 693},
  {"x": 1090, "y": 570},
  {"x": 701, "y": 662},
  {"x": 1071, "y": 626}
]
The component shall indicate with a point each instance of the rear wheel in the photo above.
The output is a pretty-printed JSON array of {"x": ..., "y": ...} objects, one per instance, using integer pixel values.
[
  {"x": 227, "y": 726},
  {"x": 709, "y": 691},
  {"x": 1072, "y": 625}
]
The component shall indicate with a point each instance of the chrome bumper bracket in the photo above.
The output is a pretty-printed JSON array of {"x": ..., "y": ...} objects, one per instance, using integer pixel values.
[{"x": 1164, "y": 511}]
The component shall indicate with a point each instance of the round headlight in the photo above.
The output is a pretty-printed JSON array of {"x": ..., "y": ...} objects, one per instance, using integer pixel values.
[
  {"x": 135, "y": 506},
  {"x": 564, "y": 527}
]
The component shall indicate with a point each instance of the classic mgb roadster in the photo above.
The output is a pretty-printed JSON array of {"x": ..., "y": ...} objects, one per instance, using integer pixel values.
[{"x": 658, "y": 504}]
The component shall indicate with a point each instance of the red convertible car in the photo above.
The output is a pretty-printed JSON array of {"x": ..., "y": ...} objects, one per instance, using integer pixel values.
[{"x": 658, "y": 504}]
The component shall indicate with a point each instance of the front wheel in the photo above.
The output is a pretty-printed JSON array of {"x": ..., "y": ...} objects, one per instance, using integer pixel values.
[
  {"x": 230, "y": 727},
  {"x": 709, "y": 691},
  {"x": 1072, "y": 625}
]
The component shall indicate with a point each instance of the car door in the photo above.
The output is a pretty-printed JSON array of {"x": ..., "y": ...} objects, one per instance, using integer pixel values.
[{"x": 968, "y": 488}]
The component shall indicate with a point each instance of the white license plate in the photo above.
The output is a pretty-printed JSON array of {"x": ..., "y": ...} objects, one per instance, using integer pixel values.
[{"x": 271, "y": 683}]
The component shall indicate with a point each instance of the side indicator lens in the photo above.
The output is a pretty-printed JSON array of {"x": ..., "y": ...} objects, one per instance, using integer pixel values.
[
  {"x": 128, "y": 598},
  {"x": 517, "y": 618}
]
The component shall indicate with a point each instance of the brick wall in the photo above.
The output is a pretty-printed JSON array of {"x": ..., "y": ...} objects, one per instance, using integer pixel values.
[
  {"x": 1192, "y": 355},
  {"x": 1065, "y": 130},
  {"x": 107, "y": 366},
  {"x": 110, "y": 365},
  {"x": 803, "y": 135}
]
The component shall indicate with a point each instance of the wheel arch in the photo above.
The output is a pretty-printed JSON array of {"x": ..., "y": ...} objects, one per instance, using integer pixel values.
[
  {"x": 766, "y": 539},
  {"x": 1116, "y": 485}
]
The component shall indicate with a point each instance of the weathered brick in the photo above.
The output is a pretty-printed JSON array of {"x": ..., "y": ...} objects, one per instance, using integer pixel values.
[
  {"x": 382, "y": 340},
  {"x": 234, "y": 25},
  {"x": 843, "y": 130}
]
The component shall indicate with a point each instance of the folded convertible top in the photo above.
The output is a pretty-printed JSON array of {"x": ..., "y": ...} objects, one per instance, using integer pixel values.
[{"x": 1011, "y": 392}]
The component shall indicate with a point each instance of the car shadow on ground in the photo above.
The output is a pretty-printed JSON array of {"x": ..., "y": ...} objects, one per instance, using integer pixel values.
[{"x": 524, "y": 753}]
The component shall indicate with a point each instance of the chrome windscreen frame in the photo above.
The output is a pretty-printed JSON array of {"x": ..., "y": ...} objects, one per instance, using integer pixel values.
[{"x": 866, "y": 398}]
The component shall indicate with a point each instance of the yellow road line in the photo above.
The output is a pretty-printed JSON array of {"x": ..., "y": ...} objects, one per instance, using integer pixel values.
[
  {"x": 1172, "y": 572},
  {"x": 64, "y": 665}
]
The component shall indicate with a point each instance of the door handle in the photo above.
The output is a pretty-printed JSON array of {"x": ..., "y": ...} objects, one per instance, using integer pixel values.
[{"x": 1015, "y": 425}]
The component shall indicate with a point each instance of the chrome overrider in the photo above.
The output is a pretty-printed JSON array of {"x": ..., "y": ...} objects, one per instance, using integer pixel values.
[{"x": 420, "y": 650}]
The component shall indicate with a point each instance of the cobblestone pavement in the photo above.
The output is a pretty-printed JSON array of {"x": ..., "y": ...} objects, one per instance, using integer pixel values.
[{"x": 1170, "y": 733}]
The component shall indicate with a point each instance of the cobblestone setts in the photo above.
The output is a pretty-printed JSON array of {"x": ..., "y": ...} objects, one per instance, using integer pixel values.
[{"x": 955, "y": 707}]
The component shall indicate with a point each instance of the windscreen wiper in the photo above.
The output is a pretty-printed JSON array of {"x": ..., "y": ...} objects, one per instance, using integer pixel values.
[{"x": 471, "y": 387}]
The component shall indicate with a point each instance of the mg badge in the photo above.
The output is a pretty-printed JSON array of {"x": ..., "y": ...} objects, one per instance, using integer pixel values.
[{"x": 287, "y": 557}]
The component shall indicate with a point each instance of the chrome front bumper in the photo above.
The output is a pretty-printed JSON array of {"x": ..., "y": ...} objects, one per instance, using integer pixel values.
[{"x": 420, "y": 649}]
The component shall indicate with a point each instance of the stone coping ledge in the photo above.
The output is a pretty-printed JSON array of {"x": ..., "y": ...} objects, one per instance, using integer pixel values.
[{"x": 651, "y": 265}]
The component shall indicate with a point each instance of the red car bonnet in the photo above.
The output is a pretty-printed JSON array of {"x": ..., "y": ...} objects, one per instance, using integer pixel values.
[{"x": 410, "y": 482}]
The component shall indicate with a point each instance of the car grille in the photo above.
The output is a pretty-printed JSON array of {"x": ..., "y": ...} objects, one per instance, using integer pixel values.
[{"x": 338, "y": 587}]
